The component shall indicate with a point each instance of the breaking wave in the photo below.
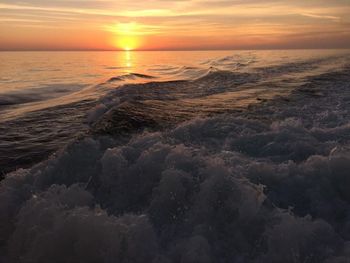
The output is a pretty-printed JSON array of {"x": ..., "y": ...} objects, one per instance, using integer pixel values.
[
  {"x": 203, "y": 170},
  {"x": 130, "y": 76}
]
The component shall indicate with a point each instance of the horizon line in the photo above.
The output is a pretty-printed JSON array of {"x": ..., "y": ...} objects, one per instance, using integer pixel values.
[{"x": 160, "y": 50}]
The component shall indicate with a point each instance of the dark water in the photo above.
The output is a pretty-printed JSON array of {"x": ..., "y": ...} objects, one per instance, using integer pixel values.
[{"x": 236, "y": 158}]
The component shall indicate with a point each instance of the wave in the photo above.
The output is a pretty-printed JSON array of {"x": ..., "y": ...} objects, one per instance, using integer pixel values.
[
  {"x": 178, "y": 72},
  {"x": 130, "y": 76},
  {"x": 235, "y": 62},
  {"x": 169, "y": 102}
]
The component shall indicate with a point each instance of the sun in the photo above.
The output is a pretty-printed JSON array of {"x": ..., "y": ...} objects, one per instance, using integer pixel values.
[
  {"x": 127, "y": 36},
  {"x": 128, "y": 43}
]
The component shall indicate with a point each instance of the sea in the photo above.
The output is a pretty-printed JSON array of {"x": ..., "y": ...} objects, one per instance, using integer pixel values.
[
  {"x": 175, "y": 156},
  {"x": 45, "y": 96}
]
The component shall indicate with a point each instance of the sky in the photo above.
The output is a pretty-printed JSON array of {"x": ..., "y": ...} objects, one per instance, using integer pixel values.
[{"x": 173, "y": 24}]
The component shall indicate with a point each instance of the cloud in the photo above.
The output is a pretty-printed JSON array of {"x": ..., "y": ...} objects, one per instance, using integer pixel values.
[
  {"x": 180, "y": 18},
  {"x": 335, "y": 18}
]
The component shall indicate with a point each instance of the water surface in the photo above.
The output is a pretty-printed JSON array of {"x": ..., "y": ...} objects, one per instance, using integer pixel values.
[
  {"x": 45, "y": 96},
  {"x": 170, "y": 157}
]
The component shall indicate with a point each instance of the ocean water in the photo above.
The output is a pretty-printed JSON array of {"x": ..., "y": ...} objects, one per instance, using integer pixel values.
[
  {"x": 45, "y": 97},
  {"x": 208, "y": 156}
]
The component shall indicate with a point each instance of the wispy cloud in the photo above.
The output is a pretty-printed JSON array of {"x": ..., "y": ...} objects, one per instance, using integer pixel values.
[
  {"x": 223, "y": 19},
  {"x": 334, "y": 18}
]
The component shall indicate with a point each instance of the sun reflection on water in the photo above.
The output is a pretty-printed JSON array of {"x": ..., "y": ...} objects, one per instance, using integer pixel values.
[{"x": 128, "y": 62}]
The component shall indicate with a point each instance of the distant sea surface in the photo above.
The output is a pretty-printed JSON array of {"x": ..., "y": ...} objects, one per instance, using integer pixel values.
[{"x": 48, "y": 98}]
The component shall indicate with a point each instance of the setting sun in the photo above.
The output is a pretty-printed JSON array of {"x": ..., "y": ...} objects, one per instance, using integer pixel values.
[
  {"x": 127, "y": 43},
  {"x": 127, "y": 36}
]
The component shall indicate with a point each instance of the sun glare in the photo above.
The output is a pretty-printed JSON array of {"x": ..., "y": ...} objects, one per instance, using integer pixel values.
[
  {"x": 127, "y": 35},
  {"x": 127, "y": 43}
]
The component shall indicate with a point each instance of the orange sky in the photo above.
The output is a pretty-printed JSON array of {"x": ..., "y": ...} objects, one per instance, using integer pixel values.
[{"x": 173, "y": 25}]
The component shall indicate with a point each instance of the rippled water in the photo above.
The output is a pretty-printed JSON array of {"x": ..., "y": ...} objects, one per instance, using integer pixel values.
[
  {"x": 175, "y": 157},
  {"x": 35, "y": 80},
  {"x": 45, "y": 96}
]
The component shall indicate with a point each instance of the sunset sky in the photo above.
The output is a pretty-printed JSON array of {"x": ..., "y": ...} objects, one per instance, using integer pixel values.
[{"x": 169, "y": 25}]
